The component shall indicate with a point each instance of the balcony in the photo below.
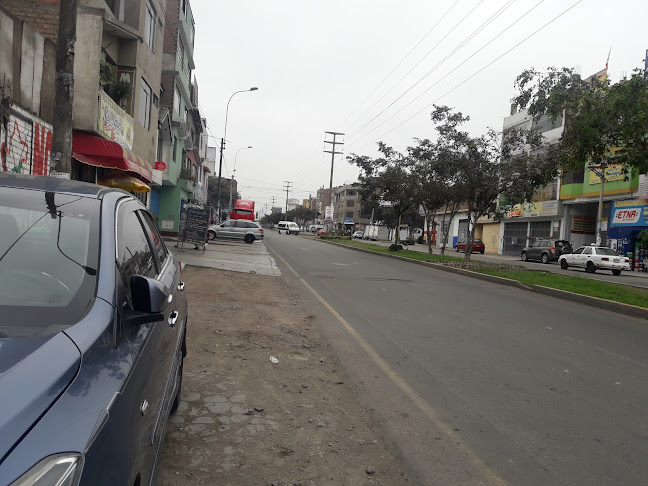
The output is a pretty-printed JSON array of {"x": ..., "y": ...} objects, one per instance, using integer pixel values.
[{"x": 187, "y": 180}]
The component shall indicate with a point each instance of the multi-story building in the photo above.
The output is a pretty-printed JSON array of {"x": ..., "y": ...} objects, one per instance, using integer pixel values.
[
  {"x": 346, "y": 206},
  {"x": 323, "y": 200},
  {"x": 184, "y": 177},
  {"x": 118, "y": 58}
]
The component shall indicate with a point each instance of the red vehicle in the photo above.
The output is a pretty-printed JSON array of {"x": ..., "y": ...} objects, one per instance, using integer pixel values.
[
  {"x": 478, "y": 246},
  {"x": 321, "y": 231},
  {"x": 243, "y": 209}
]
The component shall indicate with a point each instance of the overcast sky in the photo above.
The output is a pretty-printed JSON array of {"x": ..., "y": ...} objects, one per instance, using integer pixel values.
[{"x": 315, "y": 63}]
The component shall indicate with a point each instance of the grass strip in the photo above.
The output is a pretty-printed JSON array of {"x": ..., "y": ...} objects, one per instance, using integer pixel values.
[{"x": 578, "y": 285}]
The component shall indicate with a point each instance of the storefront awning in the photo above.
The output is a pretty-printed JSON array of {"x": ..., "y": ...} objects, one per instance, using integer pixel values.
[
  {"x": 99, "y": 152},
  {"x": 122, "y": 180}
]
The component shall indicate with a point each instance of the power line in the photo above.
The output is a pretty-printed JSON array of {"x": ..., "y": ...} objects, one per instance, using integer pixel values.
[
  {"x": 398, "y": 65},
  {"x": 461, "y": 64},
  {"x": 475, "y": 73},
  {"x": 454, "y": 51},
  {"x": 411, "y": 69}
]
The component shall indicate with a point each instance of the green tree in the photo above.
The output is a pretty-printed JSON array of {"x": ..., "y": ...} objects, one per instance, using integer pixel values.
[
  {"x": 212, "y": 191},
  {"x": 598, "y": 116},
  {"x": 388, "y": 178}
]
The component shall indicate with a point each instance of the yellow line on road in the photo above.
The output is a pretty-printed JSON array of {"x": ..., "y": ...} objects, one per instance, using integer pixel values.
[{"x": 487, "y": 473}]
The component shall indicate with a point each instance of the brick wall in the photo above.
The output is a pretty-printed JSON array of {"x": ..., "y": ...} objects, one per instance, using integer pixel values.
[
  {"x": 42, "y": 15},
  {"x": 171, "y": 27}
]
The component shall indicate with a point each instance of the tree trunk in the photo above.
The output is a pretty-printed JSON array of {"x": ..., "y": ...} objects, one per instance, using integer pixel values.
[
  {"x": 398, "y": 228},
  {"x": 444, "y": 233},
  {"x": 471, "y": 239},
  {"x": 430, "y": 229}
]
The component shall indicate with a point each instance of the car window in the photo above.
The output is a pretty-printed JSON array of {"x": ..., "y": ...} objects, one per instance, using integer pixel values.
[
  {"x": 587, "y": 251},
  {"x": 49, "y": 249},
  {"x": 579, "y": 251},
  {"x": 155, "y": 237},
  {"x": 134, "y": 255},
  {"x": 227, "y": 224},
  {"x": 606, "y": 251}
]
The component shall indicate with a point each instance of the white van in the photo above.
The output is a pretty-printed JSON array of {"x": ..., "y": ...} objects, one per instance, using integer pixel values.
[{"x": 287, "y": 227}]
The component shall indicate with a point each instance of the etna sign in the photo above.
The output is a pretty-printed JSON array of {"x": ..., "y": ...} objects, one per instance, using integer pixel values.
[{"x": 630, "y": 213}]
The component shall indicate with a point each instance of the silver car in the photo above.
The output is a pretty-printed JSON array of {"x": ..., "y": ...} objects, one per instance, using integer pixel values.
[{"x": 241, "y": 229}]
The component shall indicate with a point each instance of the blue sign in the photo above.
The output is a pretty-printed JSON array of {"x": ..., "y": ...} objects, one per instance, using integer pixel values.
[
  {"x": 629, "y": 213},
  {"x": 348, "y": 220}
]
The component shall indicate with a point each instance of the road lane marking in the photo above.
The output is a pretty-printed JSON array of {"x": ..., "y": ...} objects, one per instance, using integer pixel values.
[
  {"x": 420, "y": 403},
  {"x": 342, "y": 264}
]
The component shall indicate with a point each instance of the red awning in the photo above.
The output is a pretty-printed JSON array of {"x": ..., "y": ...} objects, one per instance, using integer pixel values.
[{"x": 99, "y": 152}]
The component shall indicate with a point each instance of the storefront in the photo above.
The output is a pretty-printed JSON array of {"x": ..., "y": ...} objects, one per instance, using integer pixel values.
[
  {"x": 105, "y": 162},
  {"x": 527, "y": 222},
  {"x": 627, "y": 219}
]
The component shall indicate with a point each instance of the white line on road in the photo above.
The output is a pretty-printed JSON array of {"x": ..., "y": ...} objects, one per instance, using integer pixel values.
[{"x": 420, "y": 403}]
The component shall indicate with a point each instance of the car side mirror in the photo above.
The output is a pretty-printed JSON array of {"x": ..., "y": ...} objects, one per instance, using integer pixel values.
[{"x": 149, "y": 298}]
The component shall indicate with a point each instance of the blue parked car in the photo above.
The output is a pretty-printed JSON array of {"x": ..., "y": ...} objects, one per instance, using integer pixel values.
[{"x": 92, "y": 335}]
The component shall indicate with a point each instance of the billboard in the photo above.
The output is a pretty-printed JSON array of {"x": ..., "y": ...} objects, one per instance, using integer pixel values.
[
  {"x": 629, "y": 213},
  {"x": 328, "y": 215},
  {"x": 114, "y": 123}
]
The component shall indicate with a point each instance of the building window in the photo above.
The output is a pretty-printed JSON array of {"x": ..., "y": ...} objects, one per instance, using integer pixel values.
[
  {"x": 184, "y": 9},
  {"x": 176, "y": 102},
  {"x": 144, "y": 114},
  {"x": 350, "y": 204},
  {"x": 350, "y": 193},
  {"x": 180, "y": 55},
  {"x": 193, "y": 33},
  {"x": 186, "y": 117},
  {"x": 149, "y": 26}
]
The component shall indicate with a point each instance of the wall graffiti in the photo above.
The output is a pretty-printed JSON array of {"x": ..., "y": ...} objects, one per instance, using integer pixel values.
[{"x": 25, "y": 143}]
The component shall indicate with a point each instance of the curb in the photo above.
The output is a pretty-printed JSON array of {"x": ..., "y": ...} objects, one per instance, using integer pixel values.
[{"x": 627, "y": 309}]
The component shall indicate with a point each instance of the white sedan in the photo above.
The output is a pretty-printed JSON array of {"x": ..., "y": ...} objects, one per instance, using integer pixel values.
[{"x": 593, "y": 258}]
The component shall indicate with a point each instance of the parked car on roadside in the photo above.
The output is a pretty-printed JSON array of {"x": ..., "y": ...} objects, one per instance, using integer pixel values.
[
  {"x": 321, "y": 231},
  {"x": 358, "y": 234},
  {"x": 478, "y": 246},
  {"x": 241, "y": 229},
  {"x": 545, "y": 250},
  {"x": 92, "y": 334},
  {"x": 593, "y": 258}
]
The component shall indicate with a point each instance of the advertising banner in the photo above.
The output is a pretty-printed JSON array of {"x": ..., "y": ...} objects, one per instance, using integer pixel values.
[
  {"x": 545, "y": 208},
  {"x": 348, "y": 220},
  {"x": 629, "y": 213},
  {"x": 328, "y": 215},
  {"x": 612, "y": 173},
  {"x": 114, "y": 123}
]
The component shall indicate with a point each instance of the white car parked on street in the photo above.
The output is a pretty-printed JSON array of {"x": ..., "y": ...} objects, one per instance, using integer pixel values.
[{"x": 593, "y": 258}]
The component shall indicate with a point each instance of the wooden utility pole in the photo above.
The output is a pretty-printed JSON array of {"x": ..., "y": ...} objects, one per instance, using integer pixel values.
[
  {"x": 288, "y": 187},
  {"x": 64, "y": 98}
]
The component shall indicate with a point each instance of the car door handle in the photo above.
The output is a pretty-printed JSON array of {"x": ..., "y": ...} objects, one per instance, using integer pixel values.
[
  {"x": 173, "y": 317},
  {"x": 181, "y": 286}
]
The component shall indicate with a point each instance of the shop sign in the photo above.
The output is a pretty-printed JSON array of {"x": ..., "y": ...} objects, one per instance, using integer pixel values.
[
  {"x": 585, "y": 225},
  {"x": 643, "y": 186},
  {"x": 544, "y": 208},
  {"x": 114, "y": 123},
  {"x": 348, "y": 220},
  {"x": 630, "y": 213},
  {"x": 159, "y": 165},
  {"x": 612, "y": 173}
]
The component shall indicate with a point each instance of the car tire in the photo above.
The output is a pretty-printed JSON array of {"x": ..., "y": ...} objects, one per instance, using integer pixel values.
[
  {"x": 457, "y": 249},
  {"x": 544, "y": 258},
  {"x": 523, "y": 256},
  {"x": 590, "y": 268},
  {"x": 211, "y": 235},
  {"x": 176, "y": 400},
  {"x": 564, "y": 265},
  {"x": 249, "y": 239},
  {"x": 616, "y": 272}
]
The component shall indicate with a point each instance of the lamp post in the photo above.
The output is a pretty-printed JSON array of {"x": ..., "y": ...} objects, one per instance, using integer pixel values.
[
  {"x": 222, "y": 149},
  {"x": 234, "y": 173}
]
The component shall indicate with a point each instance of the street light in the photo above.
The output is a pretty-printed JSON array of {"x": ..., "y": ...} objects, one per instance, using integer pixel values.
[
  {"x": 222, "y": 149},
  {"x": 233, "y": 174}
]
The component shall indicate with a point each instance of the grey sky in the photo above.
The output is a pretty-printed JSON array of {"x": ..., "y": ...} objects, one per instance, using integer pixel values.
[{"x": 315, "y": 62}]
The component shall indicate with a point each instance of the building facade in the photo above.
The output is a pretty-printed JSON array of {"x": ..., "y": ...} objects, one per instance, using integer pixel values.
[
  {"x": 347, "y": 207},
  {"x": 118, "y": 58}
]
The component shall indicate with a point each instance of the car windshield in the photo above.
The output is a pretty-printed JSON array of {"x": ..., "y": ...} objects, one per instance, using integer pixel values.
[
  {"x": 606, "y": 251},
  {"x": 48, "y": 260}
]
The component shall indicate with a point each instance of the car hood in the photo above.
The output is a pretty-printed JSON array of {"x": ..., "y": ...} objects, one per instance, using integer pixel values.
[{"x": 33, "y": 374}]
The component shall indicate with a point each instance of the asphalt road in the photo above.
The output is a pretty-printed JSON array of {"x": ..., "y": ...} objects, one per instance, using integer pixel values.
[{"x": 477, "y": 383}]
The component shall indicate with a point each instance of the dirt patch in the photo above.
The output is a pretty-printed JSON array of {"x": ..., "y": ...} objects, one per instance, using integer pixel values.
[{"x": 244, "y": 420}]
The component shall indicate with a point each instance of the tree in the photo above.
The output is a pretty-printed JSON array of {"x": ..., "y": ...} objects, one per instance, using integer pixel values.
[
  {"x": 598, "y": 116},
  {"x": 212, "y": 193},
  {"x": 301, "y": 214},
  {"x": 387, "y": 178},
  {"x": 272, "y": 218},
  {"x": 511, "y": 165}
]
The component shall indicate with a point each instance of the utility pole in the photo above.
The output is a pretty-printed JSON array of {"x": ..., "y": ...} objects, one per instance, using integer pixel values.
[
  {"x": 273, "y": 202},
  {"x": 64, "y": 82},
  {"x": 287, "y": 187},
  {"x": 333, "y": 142}
]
